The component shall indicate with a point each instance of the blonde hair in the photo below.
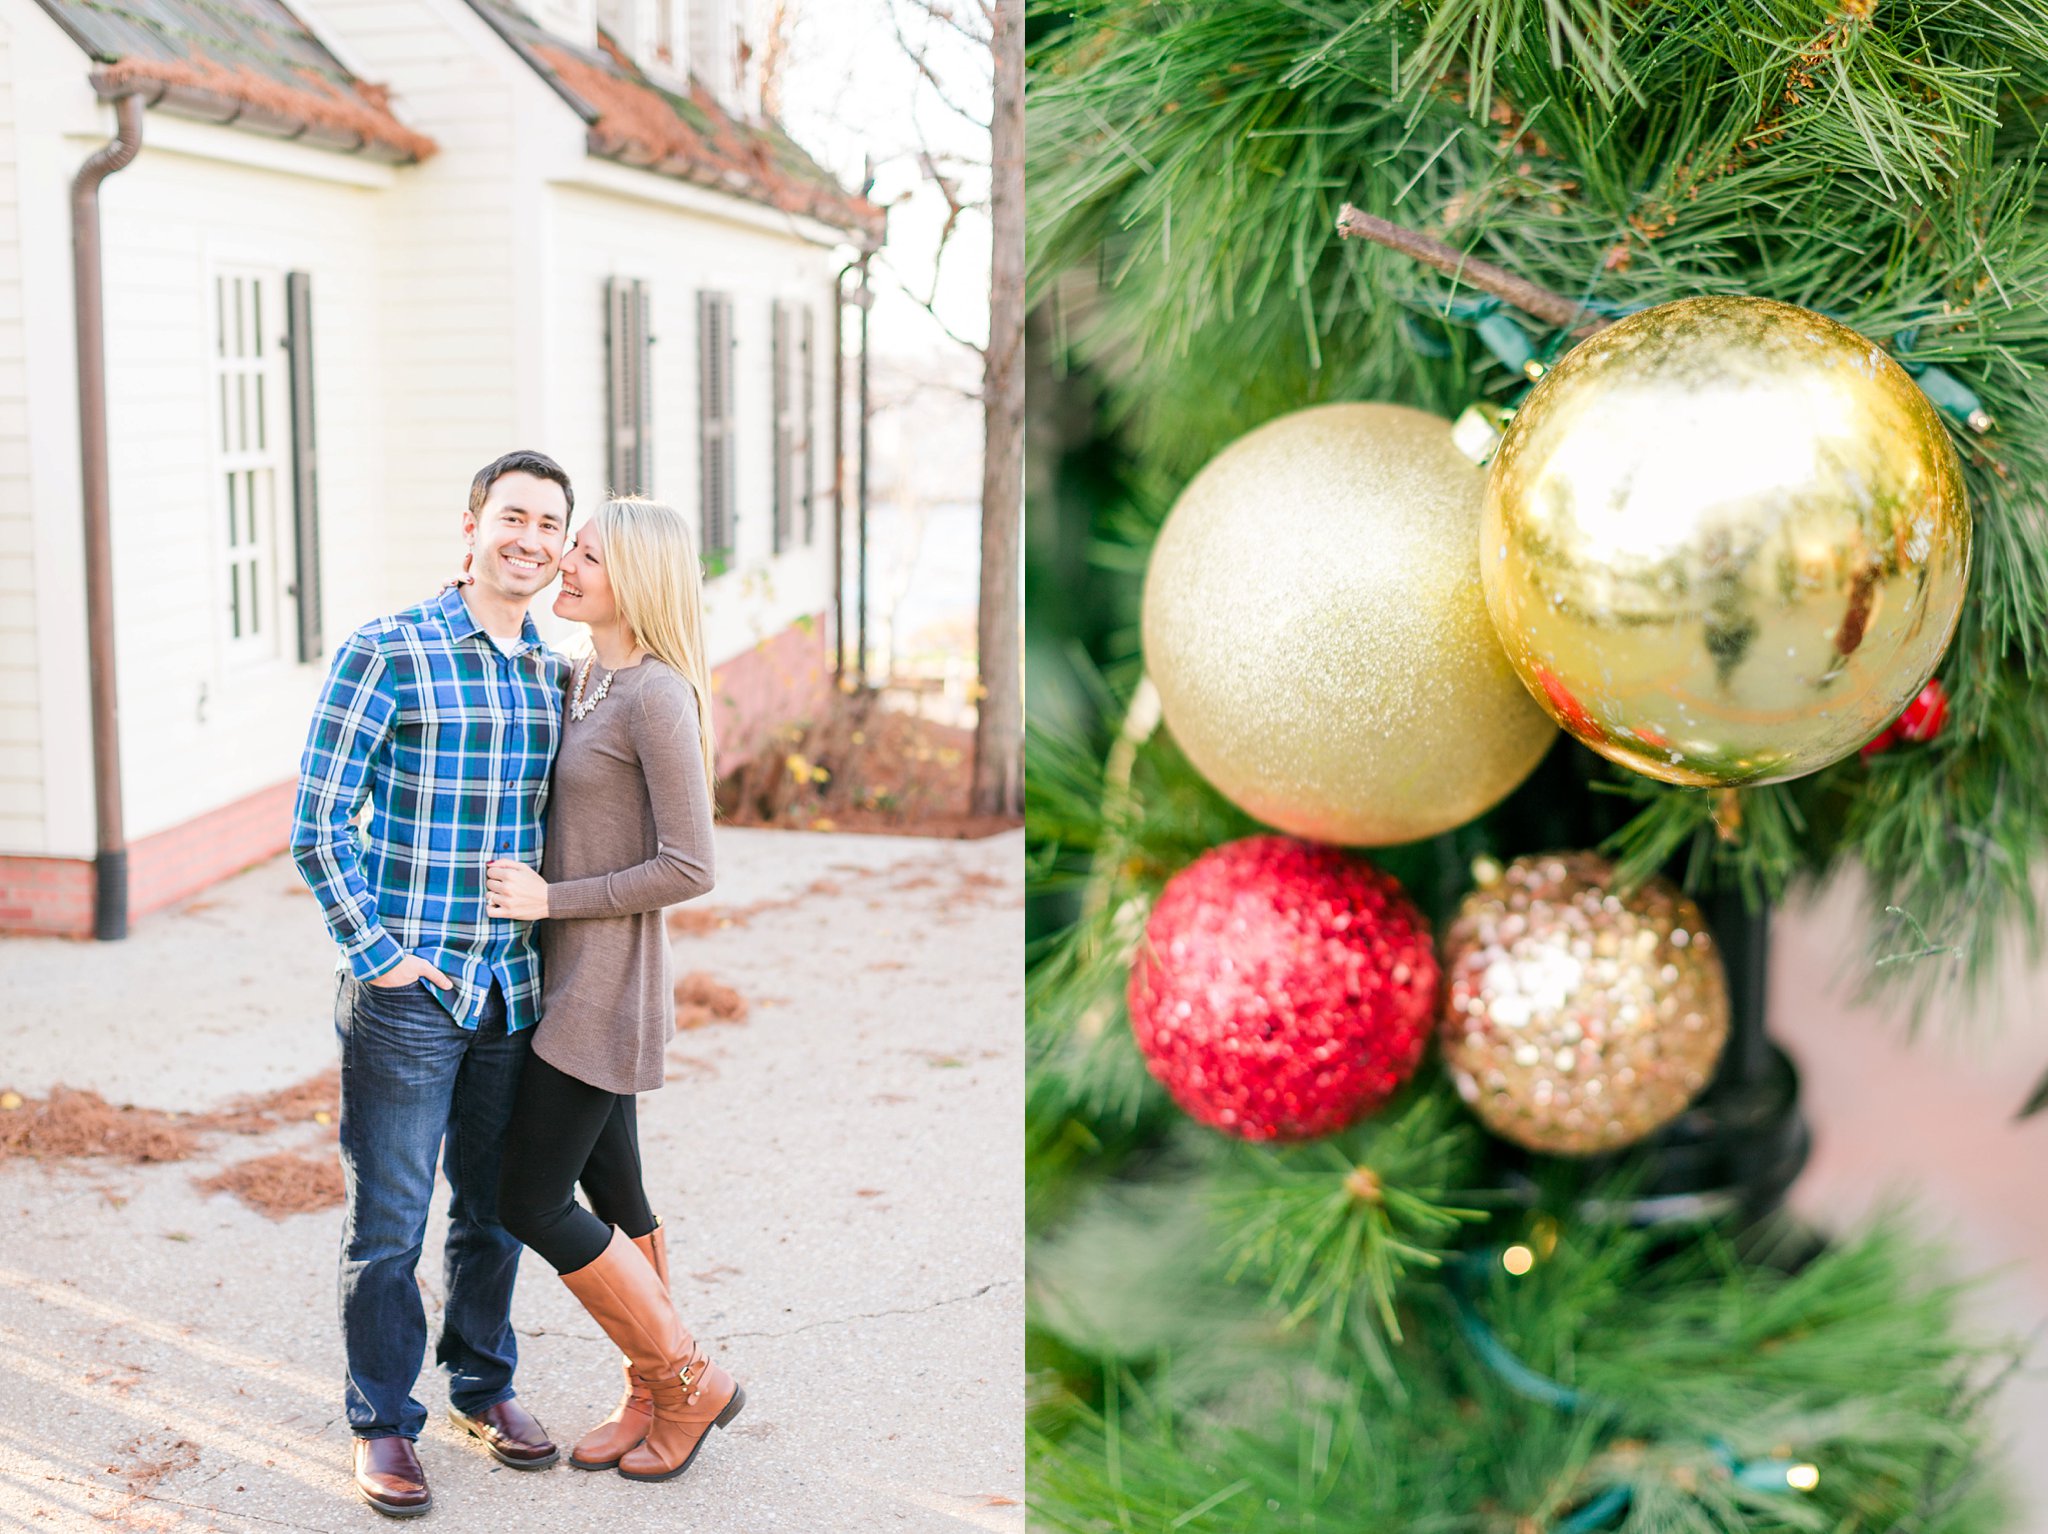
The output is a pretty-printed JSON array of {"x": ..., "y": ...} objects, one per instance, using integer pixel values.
[{"x": 651, "y": 557}]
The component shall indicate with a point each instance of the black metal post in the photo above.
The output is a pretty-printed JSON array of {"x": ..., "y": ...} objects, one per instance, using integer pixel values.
[{"x": 866, "y": 299}]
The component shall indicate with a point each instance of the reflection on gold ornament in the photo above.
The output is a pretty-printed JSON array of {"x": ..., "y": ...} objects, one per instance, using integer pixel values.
[
  {"x": 1725, "y": 541},
  {"x": 1577, "y": 1020},
  {"x": 1314, "y": 625}
]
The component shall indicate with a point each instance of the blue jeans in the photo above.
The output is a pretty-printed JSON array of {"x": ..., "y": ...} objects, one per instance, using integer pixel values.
[{"x": 415, "y": 1085}]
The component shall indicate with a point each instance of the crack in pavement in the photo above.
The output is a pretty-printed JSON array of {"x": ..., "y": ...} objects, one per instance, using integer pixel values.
[
  {"x": 876, "y": 1315},
  {"x": 811, "y": 1326},
  {"x": 197, "y": 1507}
]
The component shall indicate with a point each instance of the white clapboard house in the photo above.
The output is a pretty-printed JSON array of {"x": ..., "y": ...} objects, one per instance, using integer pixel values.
[{"x": 346, "y": 253}]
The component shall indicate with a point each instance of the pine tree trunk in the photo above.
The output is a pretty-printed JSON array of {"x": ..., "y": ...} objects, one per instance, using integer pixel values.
[{"x": 999, "y": 714}]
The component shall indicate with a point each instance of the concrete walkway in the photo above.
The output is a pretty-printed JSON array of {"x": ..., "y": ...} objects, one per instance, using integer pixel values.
[{"x": 842, "y": 1171}]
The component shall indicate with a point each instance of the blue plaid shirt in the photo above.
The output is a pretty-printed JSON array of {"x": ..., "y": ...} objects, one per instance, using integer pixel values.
[{"x": 451, "y": 741}]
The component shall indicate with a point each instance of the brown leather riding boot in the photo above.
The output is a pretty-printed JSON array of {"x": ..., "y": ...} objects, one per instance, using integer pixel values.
[
  {"x": 687, "y": 1406},
  {"x": 691, "y": 1394},
  {"x": 603, "y": 1446}
]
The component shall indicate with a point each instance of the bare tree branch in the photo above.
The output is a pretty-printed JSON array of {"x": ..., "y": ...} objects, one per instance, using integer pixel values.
[
  {"x": 928, "y": 386},
  {"x": 945, "y": 16},
  {"x": 929, "y": 304},
  {"x": 916, "y": 56},
  {"x": 949, "y": 188}
]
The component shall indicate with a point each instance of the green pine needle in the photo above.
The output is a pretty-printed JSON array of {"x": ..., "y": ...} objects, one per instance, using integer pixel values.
[{"x": 1347, "y": 1218}]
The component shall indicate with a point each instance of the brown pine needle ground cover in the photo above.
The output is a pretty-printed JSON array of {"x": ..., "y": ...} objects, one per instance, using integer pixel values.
[
  {"x": 71, "y": 1125},
  {"x": 289, "y": 1182},
  {"x": 864, "y": 767},
  {"x": 701, "y": 999},
  {"x": 695, "y": 920}
]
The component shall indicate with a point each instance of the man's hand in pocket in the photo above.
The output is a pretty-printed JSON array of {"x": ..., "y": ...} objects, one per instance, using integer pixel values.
[{"x": 410, "y": 968}]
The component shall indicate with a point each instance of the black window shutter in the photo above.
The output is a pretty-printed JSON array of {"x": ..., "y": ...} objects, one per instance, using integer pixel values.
[
  {"x": 628, "y": 403},
  {"x": 807, "y": 363},
  {"x": 778, "y": 368},
  {"x": 643, "y": 390},
  {"x": 715, "y": 426},
  {"x": 298, "y": 303}
]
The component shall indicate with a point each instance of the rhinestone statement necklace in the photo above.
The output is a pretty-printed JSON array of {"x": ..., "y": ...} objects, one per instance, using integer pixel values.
[{"x": 578, "y": 709}]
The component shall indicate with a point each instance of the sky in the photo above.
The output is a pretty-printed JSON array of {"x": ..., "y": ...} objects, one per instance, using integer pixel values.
[{"x": 850, "y": 87}]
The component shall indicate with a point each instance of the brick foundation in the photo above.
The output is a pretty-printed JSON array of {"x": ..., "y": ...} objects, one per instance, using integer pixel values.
[
  {"x": 55, "y": 895},
  {"x": 46, "y": 895},
  {"x": 781, "y": 679}
]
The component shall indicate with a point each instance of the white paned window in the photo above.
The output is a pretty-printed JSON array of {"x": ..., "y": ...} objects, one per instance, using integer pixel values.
[{"x": 252, "y": 437}]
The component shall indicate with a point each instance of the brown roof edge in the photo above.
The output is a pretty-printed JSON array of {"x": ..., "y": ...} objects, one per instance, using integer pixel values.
[
  {"x": 319, "y": 112},
  {"x": 636, "y": 125}
]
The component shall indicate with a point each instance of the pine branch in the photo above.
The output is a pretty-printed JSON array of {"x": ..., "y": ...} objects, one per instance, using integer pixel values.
[
  {"x": 1552, "y": 308},
  {"x": 1886, "y": 167},
  {"x": 1688, "y": 1365},
  {"x": 1188, "y": 162},
  {"x": 1348, "y": 1218}
]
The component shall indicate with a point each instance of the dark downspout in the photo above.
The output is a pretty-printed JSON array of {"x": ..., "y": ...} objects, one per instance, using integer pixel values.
[
  {"x": 839, "y": 471},
  {"x": 866, "y": 299},
  {"x": 110, "y": 866}
]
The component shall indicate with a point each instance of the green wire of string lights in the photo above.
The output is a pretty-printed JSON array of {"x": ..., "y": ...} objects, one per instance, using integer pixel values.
[
  {"x": 1765, "y": 1475},
  {"x": 1531, "y": 357}
]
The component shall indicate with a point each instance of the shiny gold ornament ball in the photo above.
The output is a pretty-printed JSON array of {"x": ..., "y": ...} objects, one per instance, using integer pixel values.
[
  {"x": 1577, "y": 1020},
  {"x": 1314, "y": 626},
  {"x": 1725, "y": 541}
]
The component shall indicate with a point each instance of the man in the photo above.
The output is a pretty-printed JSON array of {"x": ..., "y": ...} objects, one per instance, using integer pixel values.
[{"x": 445, "y": 718}]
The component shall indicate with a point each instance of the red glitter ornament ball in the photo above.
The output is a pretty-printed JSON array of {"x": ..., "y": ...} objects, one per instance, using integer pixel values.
[
  {"x": 1924, "y": 719},
  {"x": 1283, "y": 989}
]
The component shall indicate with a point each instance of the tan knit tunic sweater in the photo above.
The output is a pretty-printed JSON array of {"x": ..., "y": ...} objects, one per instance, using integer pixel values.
[{"x": 629, "y": 831}]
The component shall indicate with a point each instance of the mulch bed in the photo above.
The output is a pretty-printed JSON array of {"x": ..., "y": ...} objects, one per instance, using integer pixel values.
[{"x": 859, "y": 766}]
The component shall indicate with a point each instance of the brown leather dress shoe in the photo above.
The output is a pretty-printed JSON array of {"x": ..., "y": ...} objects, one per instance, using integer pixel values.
[
  {"x": 389, "y": 1476},
  {"x": 512, "y": 1435}
]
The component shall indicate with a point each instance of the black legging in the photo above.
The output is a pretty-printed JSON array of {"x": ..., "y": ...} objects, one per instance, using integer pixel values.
[{"x": 563, "y": 1132}]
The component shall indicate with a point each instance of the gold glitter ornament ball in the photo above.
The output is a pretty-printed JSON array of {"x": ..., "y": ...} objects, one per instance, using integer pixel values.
[
  {"x": 1577, "y": 1020},
  {"x": 1314, "y": 626},
  {"x": 1726, "y": 541}
]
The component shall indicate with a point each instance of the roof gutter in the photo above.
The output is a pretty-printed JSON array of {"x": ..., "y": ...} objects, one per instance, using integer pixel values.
[
  {"x": 110, "y": 863},
  {"x": 222, "y": 110}
]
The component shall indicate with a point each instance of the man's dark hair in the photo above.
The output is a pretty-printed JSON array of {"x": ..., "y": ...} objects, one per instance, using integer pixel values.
[{"x": 524, "y": 461}]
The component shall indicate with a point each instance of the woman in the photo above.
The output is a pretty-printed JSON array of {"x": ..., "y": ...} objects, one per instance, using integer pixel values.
[{"x": 629, "y": 832}]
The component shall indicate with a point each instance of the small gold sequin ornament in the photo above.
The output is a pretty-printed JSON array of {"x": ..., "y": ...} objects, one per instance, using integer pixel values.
[
  {"x": 1314, "y": 625},
  {"x": 1577, "y": 1020},
  {"x": 1726, "y": 541}
]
